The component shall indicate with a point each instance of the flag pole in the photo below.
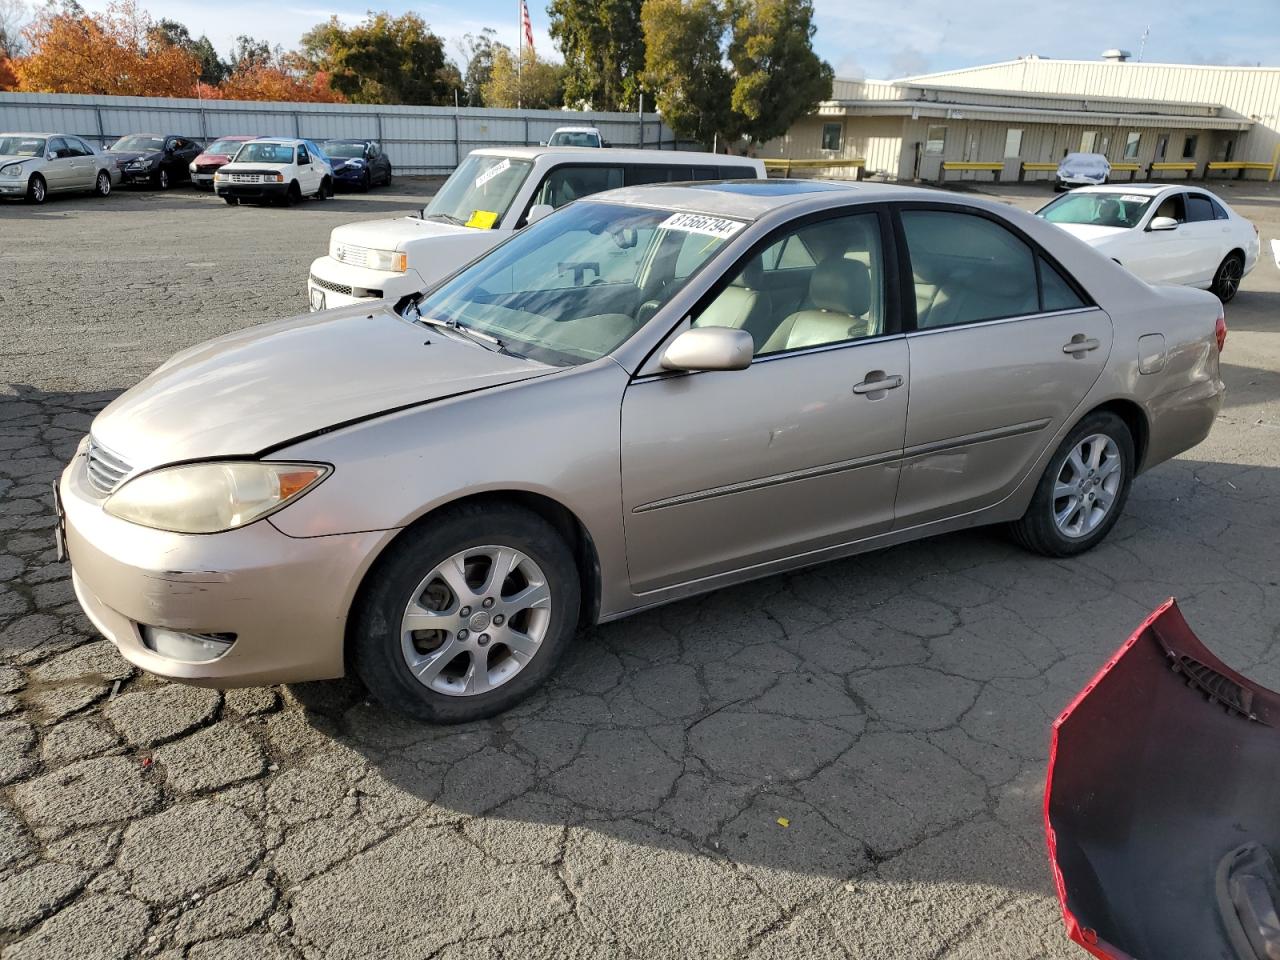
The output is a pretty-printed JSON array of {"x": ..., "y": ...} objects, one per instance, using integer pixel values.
[{"x": 519, "y": 50}]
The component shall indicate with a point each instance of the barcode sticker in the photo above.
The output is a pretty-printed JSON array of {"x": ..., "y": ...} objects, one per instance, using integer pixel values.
[
  {"x": 700, "y": 223},
  {"x": 501, "y": 167}
]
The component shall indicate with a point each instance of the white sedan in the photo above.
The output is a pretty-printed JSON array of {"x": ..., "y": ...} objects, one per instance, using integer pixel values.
[{"x": 1162, "y": 233}]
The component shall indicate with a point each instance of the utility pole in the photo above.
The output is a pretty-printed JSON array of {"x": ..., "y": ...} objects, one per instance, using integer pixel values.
[{"x": 1143, "y": 46}]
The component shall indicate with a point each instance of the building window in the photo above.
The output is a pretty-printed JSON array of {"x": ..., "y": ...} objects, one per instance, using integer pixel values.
[
  {"x": 1012, "y": 143},
  {"x": 1228, "y": 149},
  {"x": 1189, "y": 147},
  {"x": 831, "y": 133},
  {"x": 1162, "y": 146},
  {"x": 936, "y": 142},
  {"x": 1088, "y": 140},
  {"x": 1131, "y": 144}
]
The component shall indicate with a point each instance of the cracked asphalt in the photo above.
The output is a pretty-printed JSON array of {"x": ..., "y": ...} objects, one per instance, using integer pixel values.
[{"x": 844, "y": 762}]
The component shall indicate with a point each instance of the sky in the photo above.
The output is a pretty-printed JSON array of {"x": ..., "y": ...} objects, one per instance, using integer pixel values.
[{"x": 876, "y": 39}]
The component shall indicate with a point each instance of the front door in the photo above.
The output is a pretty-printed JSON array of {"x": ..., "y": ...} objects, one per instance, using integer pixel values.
[
  {"x": 1163, "y": 256},
  {"x": 308, "y": 171},
  {"x": 725, "y": 470},
  {"x": 59, "y": 171},
  {"x": 1004, "y": 352}
]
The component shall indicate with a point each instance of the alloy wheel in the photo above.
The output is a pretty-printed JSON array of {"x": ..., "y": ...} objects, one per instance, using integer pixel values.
[
  {"x": 1229, "y": 277},
  {"x": 1087, "y": 485},
  {"x": 38, "y": 190},
  {"x": 476, "y": 620},
  {"x": 104, "y": 184}
]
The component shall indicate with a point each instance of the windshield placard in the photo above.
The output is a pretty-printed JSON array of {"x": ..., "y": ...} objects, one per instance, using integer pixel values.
[
  {"x": 719, "y": 227},
  {"x": 498, "y": 168}
]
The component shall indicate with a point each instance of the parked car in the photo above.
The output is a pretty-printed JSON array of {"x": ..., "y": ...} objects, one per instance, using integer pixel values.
[
  {"x": 360, "y": 164},
  {"x": 490, "y": 195},
  {"x": 1164, "y": 234},
  {"x": 275, "y": 170},
  {"x": 647, "y": 395},
  {"x": 1082, "y": 170},
  {"x": 213, "y": 158},
  {"x": 34, "y": 165},
  {"x": 158, "y": 160},
  {"x": 576, "y": 137}
]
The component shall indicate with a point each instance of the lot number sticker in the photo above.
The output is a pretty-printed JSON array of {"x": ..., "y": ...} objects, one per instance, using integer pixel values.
[
  {"x": 501, "y": 167},
  {"x": 698, "y": 223}
]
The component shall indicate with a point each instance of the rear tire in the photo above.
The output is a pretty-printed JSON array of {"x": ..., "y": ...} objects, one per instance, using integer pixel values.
[
  {"x": 1226, "y": 281},
  {"x": 1080, "y": 497},
  {"x": 382, "y": 646},
  {"x": 37, "y": 189}
]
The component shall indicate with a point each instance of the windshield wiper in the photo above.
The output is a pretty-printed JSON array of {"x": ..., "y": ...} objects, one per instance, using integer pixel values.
[
  {"x": 446, "y": 217},
  {"x": 475, "y": 336}
]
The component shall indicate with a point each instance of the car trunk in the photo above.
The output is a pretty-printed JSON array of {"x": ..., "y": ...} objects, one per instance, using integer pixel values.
[{"x": 1160, "y": 813}]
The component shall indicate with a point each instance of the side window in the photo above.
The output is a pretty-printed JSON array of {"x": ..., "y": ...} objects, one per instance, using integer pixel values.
[
  {"x": 1171, "y": 206},
  {"x": 642, "y": 173},
  {"x": 705, "y": 173},
  {"x": 1199, "y": 208},
  {"x": 566, "y": 184},
  {"x": 78, "y": 147},
  {"x": 737, "y": 171},
  {"x": 1055, "y": 292},
  {"x": 303, "y": 157},
  {"x": 967, "y": 269},
  {"x": 1219, "y": 211},
  {"x": 58, "y": 148},
  {"x": 833, "y": 292}
]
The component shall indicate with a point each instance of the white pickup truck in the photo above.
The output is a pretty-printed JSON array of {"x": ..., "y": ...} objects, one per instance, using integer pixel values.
[{"x": 492, "y": 193}]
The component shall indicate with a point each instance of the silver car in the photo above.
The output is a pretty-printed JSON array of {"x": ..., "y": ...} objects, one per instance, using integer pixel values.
[
  {"x": 652, "y": 393},
  {"x": 34, "y": 165}
]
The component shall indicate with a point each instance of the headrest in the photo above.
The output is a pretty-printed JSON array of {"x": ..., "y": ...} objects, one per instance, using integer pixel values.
[
  {"x": 840, "y": 285},
  {"x": 751, "y": 276}
]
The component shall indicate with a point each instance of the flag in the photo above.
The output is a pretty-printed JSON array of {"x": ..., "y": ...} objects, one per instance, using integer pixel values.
[{"x": 526, "y": 25}]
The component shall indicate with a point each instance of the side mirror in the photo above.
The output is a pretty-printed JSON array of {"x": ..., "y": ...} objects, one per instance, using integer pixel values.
[
  {"x": 538, "y": 211},
  {"x": 710, "y": 348},
  {"x": 542, "y": 143},
  {"x": 1162, "y": 223}
]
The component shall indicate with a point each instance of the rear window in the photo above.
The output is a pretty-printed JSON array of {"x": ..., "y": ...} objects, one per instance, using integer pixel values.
[{"x": 1199, "y": 208}]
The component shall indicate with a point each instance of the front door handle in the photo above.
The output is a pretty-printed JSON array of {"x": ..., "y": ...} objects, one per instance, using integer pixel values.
[
  {"x": 1080, "y": 344},
  {"x": 877, "y": 382}
]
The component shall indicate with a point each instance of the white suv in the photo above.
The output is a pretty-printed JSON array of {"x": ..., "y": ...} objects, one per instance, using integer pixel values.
[
  {"x": 275, "y": 170},
  {"x": 491, "y": 194}
]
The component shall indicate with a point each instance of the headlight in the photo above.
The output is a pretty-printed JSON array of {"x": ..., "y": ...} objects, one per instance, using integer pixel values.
[
  {"x": 385, "y": 260},
  {"x": 212, "y": 497},
  {"x": 218, "y": 175},
  {"x": 13, "y": 170},
  {"x": 191, "y": 167},
  {"x": 279, "y": 177}
]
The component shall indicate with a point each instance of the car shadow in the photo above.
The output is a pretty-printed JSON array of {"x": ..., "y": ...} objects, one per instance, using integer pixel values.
[{"x": 857, "y": 743}]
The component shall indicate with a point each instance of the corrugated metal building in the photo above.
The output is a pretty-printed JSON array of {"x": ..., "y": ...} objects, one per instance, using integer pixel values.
[{"x": 1035, "y": 110}]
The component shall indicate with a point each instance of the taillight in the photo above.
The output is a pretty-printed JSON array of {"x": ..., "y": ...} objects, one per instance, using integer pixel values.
[{"x": 1220, "y": 331}]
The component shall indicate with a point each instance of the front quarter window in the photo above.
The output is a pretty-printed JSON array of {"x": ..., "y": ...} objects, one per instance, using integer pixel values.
[{"x": 577, "y": 285}]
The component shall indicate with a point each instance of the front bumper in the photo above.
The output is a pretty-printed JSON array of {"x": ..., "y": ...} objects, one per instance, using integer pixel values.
[
  {"x": 331, "y": 283},
  {"x": 349, "y": 176},
  {"x": 252, "y": 191},
  {"x": 137, "y": 176},
  {"x": 202, "y": 179},
  {"x": 286, "y": 599},
  {"x": 16, "y": 187}
]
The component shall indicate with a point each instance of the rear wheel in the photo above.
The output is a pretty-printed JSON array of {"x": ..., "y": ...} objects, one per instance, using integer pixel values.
[
  {"x": 467, "y": 615},
  {"x": 1227, "y": 279},
  {"x": 37, "y": 190},
  {"x": 1082, "y": 491}
]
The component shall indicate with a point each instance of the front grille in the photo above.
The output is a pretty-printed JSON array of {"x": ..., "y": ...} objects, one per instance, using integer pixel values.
[
  {"x": 349, "y": 253},
  {"x": 341, "y": 288},
  {"x": 207, "y": 167},
  {"x": 246, "y": 178},
  {"x": 106, "y": 469}
]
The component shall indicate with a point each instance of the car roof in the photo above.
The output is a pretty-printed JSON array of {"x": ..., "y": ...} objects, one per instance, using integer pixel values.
[
  {"x": 24, "y": 133},
  {"x": 1147, "y": 189},
  {"x": 752, "y": 199},
  {"x": 291, "y": 141},
  {"x": 577, "y": 129},
  {"x": 614, "y": 155},
  {"x": 348, "y": 140},
  {"x": 234, "y": 136}
]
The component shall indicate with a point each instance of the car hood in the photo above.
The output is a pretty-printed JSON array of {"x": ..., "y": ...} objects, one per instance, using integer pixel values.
[
  {"x": 394, "y": 234},
  {"x": 1092, "y": 233},
  {"x": 127, "y": 155},
  {"x": 256, "y": 389},
  {"x": 213, "y": 158},
  {"x": 6, "y": 159}
]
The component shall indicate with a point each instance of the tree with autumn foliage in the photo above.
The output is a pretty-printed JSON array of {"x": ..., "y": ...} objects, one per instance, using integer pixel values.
[
  {"x": 283, "y": 77},
  {"x": 72, "y": 51},
  {"x": 8, "y": 76}
]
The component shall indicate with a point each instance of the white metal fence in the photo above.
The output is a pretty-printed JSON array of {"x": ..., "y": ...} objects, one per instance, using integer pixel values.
[{"x": 417, "y": 139}]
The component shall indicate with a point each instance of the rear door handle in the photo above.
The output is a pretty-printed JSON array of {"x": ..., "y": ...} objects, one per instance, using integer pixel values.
[
  {"x": 1080, "y": 344},
  {"x": 878, "y": 382}
]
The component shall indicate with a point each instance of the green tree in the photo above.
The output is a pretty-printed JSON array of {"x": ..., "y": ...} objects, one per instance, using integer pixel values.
[
  {"x": 538, "y": 85},
  {"x": 778, "y": 77},
  {"x": 684, "y": 66},
  {"x": 249, "y": 54},
  {"x": 174, "y": 34},
  {"x": 383, "y": 59},
  {"x": 477, "y": 56},
  {"x": 603, "y": 47}
]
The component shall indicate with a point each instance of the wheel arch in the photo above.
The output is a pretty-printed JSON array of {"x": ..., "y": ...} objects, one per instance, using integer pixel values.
[
  {"x": 1135, "y": 418},
  {"x": 585, "y": 554}
]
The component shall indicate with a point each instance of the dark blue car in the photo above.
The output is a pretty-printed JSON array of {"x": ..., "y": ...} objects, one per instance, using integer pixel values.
[{"x": 358, "y": 164}]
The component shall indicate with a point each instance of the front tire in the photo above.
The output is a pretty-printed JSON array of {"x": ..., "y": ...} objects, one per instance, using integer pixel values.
[
  {"x": 230, "y": 201},
  {"x": 466, "y": 615},
  {"x": 37, "y": 189},
  {"x": 293, "y": 195},
  {"x": 162, "y": 178},
  {"x": 325, "y": 191},
  {"x": 1083, "y": 489},
  {"x": 102, "y": 186},
  {"x": 1226, "y": 281}
]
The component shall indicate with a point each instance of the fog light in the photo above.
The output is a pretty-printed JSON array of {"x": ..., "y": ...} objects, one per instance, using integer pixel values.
[{"x": 195, "y": 647}]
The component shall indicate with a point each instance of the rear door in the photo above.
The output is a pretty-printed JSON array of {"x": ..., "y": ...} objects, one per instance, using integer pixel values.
[
  {"x": 84, "y": 166},
  {"x": 1004, "y": 349}
]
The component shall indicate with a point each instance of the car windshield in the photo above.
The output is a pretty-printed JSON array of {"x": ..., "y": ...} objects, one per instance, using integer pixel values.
[
  {"x": 573, "y": 139},
  {"x": 1100, "y": 209},
  {"x": 22, "y": 146},
  {"x": 479, "y": 191},
  {"x": 225, "y": 148},
  {"x": 347, "y": 151},
  {"x": 573, "y": 287},
  {"x": 139, "y": 143},
  {"x": 265, "y": 153}
]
